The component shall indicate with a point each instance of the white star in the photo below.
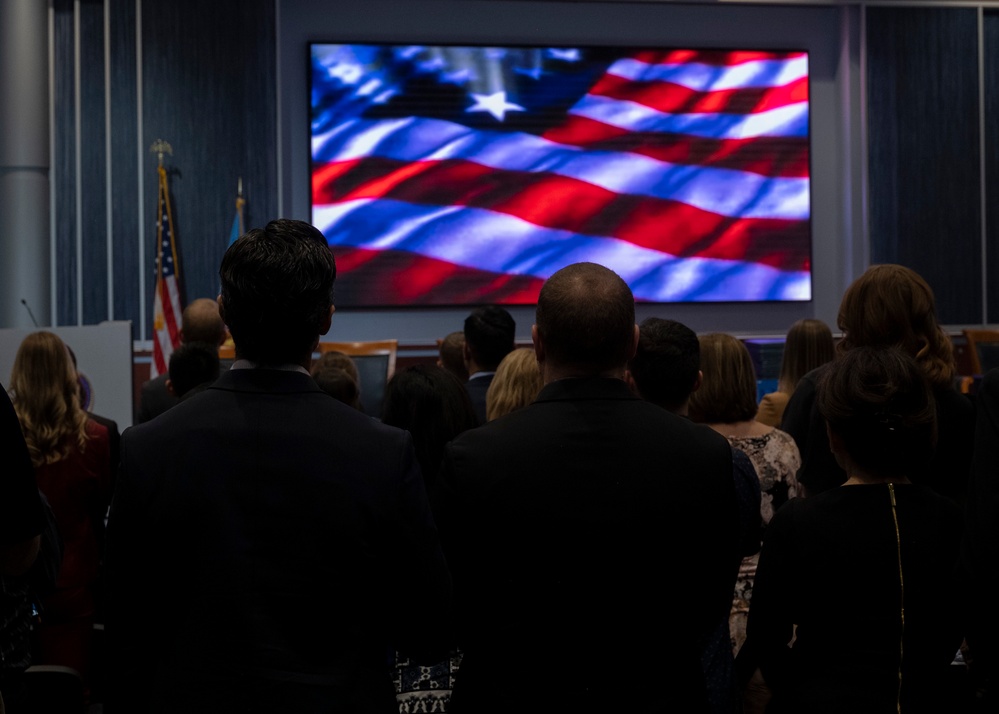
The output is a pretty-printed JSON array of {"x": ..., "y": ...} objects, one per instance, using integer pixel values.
[
  {"x": 532, "y": 72},
  {"x": 496, "y": 104},
  {"x": 566, "y": 55}
]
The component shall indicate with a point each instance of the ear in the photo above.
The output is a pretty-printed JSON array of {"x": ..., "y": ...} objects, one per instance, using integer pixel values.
[
  {"x": 539, "y": 347},
  {"x": 837, "y": 447},
  {"x": 634, "y": 344},
  {"x": 327, "y": 322},
  {"x": 221, "y": 309},
  {"x": 466, "y": 353},
  {"x": 169, "y": 388},
  {"x": 697, "y": 382}
]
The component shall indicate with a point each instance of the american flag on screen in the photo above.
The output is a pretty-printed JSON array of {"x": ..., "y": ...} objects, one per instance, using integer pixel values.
[
  {"x": 453, "y": 175},
  {"x": 166, "y": 301}
]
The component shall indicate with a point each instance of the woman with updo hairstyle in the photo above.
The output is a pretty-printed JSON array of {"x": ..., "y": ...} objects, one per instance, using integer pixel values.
[
  {"x": 860, "y": 576},
  {"x": 726, "y": 402},
  {"x": 890, "y": 306},
  {"x": 515, "y": 385},
  {"x": 431, "y": 404},
  {"x": 808, "y": 345},
  {"x": 71, "y": 457}
]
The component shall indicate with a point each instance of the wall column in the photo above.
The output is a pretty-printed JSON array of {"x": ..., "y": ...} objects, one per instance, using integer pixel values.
[{"x": 24, "y": 162}]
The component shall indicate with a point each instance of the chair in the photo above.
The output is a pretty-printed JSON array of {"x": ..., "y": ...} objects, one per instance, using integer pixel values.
[
  {"x": 375, "y": 366},
  {"x": 52, "y": 689},
  {"x": 983, "y": 350}
]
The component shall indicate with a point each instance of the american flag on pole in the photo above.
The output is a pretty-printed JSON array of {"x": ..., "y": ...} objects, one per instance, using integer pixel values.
[
  {"x": 449, "y": 175},
  {"x": 166, "y": 301}
]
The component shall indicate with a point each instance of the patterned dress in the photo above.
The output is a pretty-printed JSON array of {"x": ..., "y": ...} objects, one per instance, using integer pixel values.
[{"x": 776, "y": 460}]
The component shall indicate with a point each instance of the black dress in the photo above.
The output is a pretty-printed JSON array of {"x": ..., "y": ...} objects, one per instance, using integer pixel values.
[{"x": 833, "y": 566}]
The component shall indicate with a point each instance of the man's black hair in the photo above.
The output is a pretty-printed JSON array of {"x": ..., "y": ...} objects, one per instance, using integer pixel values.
[
  {"x": 666, "y": 363},
  {"x": 193, "y": 364},
  {"x": 277, "y": 289},
  {"x": 489, "y": 334}
]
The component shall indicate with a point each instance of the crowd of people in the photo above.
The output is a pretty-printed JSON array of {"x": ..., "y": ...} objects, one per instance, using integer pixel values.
[{"x": 610, "y": 520}]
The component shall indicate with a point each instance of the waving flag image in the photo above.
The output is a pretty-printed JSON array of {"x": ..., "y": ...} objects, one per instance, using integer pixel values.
[{"x": 462, "y": 175}]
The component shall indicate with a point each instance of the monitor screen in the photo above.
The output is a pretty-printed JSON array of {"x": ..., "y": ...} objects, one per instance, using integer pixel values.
[{"x": 447, "y": 175}]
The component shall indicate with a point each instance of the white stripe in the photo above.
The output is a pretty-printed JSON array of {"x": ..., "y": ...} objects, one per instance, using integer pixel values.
[
  {"x": 724, "y": 191},
  {"x": 480, "y": 239},
  {"x": 789, "y": 120},
  {"x": 707, "y": 78}
]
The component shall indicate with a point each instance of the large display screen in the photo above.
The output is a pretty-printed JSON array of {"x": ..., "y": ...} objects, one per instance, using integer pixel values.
[{"x": 446, "y": 175}]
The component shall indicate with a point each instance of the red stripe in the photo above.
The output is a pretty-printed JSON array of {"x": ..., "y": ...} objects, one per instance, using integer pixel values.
[
  {"x": 672, "y": 98},
  {"x": 168, "y": 312},
  {"x": 158, "y": 359},
  {"x": 768, "y": 156},
  {"x": 369, "y": 277},
  {"x": 720, "y": 58},
  {"x": 568, "y": 204}
]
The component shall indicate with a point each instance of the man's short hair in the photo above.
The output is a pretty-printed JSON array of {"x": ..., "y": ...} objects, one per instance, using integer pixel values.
[
  {"x": 667, "y": 361},
  {"x": 586, "y": 318},
  {"x": 489, "y": 334},
  {"x": 201, "y": 322},
  {"x": 336, "y": 374},
  {"x": 277, "y": 289},
  {"x": 193, "y": 364},
  {"x": 452, "y": 349}
]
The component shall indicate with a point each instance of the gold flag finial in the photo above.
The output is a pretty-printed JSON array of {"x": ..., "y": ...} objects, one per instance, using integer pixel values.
[{"x": 159, "y": 148}]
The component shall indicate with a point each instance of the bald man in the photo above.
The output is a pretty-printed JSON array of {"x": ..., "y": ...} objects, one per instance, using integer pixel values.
[
  {"x": 591, "y": 535},
  {"x": 200, "y": 322}
]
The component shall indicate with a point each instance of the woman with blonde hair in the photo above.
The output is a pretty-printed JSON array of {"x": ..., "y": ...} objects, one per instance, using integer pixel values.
[
  {"x": 726, "y": 402},
  {"x": 71, "y": 458},
  {"x": 516, "y": 384},
  {"x": 890, "y": 306},
  {"x": 808, "y": 345}
]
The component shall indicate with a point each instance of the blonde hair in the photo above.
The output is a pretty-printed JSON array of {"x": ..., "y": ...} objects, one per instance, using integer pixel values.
[
  {"x": 892, "y": 306},
  {"x": 46, "y": 395},
  {"x": 728, "y": 388},
  {"x": 516, "y": 384},
  {"x": 809, "y": 344}
]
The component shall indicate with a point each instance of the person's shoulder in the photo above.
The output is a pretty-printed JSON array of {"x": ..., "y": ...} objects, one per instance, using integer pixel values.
[{"x": 96, "y": 430}]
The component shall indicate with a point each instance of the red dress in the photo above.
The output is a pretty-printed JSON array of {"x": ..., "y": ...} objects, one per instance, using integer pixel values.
[{"x": 77, "y": 487}]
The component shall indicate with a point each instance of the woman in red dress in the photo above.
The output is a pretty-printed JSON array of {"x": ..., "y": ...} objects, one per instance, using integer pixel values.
[{"x": 71, "y": 457}]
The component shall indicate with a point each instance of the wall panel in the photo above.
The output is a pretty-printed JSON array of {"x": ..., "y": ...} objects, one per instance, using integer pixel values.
[{"x": 924, "y": 201}]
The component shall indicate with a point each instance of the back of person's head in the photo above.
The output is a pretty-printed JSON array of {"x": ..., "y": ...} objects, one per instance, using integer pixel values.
[
  {"x": 432, "y": 405},
  {"x": 452, "y": 357},
  {"x": 892, "y": 306},
  {"x": 277, "y": 291},
  {"x": 809, "y": 344},
  {"x": 46, "y": 395},
  {"x": 489, "y": 335},
  {"x": 193, "y": 364},
  {"x": 586, "y": 319},
  {"x": 201, "y": 322},
  {"x": 666, "y": 363},
  {"x": 880, "y": 404},
  {"x": 728, "y": 388},
  {"x": 516, "y": 384},
  {"x": 336, "y": 374}
]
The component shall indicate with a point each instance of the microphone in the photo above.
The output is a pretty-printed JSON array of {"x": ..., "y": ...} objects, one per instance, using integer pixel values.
[{"x": 30, "y": 313}]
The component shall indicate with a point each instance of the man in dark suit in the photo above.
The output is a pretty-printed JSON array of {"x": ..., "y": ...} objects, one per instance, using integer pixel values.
[
  {"x": 592, "y": 534},
  {"x": 262, "y": 532},
  {"x": 200, "y": 322},
  {"x": 489, "y": 337}
]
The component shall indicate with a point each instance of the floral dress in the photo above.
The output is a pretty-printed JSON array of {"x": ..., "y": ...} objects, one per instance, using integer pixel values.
[{"x": 776, "y": 460}]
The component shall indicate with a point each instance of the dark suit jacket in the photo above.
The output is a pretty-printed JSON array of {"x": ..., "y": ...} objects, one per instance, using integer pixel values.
[
  {"x": 154, "y": 399},
  {"x": 259, "y": 543},
  {"x": 477, "y": 389},
  {"x": 592, "y": 538}
]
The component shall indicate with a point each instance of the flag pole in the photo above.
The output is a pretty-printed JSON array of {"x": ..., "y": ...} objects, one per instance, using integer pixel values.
[{"x": 239, "y": 205}]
